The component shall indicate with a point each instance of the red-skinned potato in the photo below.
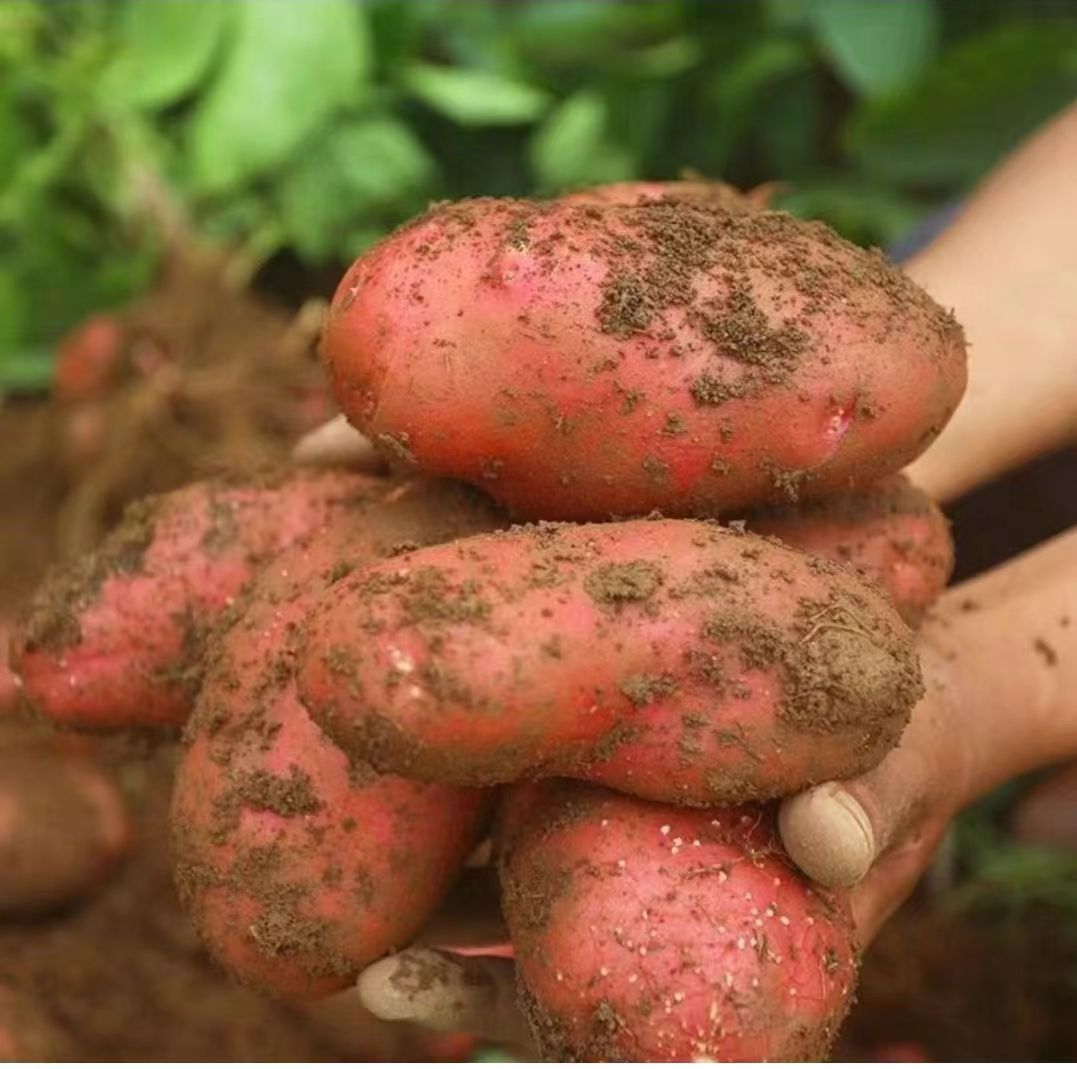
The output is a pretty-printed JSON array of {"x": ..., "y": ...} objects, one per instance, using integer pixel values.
[
  {"x": 583, "y": 361},
  {"x": 63, "y": 826},
  {"x": 672, "y": 659},
  {"x": 115, "y": 639},
  {"x": 892, "y": 533},
  {"x": 298, "y": 865},
  {"x": 88, "y": 359},
  {"x": 650, "y": 933}
]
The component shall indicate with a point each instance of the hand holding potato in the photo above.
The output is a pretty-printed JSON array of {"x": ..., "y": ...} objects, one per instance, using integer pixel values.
[{"x": 588, "y": 359}]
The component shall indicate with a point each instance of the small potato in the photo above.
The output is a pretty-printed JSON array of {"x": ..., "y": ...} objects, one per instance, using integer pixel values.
[
  {"x": 671, "y": 659},
  {"x": 892, "y": 533},
  {"x": 10, "y": 688},
  {"x": 300, "y": 866},
  {"x": 63, "y": 827},
  {"x": 116, "y": 639},
  {"x": 89, "y": 358},
  {"x": 28, "y": 1032},
  {"x": 650, "y": 933},
  {"x": 581, "y": 361}
]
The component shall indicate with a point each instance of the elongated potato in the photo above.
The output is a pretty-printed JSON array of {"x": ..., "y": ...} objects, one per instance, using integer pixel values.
[
  {"x": 299, "y": 865},
  {"x": 892, "y": 533},
  {"x": 583, "y": 361},
  {"x": 650, "y": 933},
  {"x": 116, "y": 639},
  {"x": 672, "y": 659}
]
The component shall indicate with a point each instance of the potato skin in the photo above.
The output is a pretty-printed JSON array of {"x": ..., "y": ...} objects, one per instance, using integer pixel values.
[
  {"x": 892, "y": 533},
  {"x": 672, "y": 659},
  {"x": 583, "y": 361},
  {"x": 298, "y": 865},
  {"x": 115, "y": 640},
  {"x": 647, "y": 932}
]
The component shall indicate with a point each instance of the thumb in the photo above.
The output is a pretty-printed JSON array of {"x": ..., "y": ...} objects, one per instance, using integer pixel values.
[
  {"x": 835, "y": 832},
  {"x": 1000, "y": 666},
  {"x": 446, "y": 991},
  {"x": 338, "y": 443}
]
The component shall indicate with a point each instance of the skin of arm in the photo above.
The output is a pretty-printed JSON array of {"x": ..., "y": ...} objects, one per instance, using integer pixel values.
[{"x": 1007, "y": 266}]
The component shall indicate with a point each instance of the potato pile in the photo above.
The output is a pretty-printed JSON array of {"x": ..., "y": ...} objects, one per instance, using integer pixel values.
[{"x": 679, "y": 586}]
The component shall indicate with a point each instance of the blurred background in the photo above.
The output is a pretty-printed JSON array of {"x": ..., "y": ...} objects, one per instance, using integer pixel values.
[
  {"x": 182, "y": 183},
  {"x": 298, "y": 133}
]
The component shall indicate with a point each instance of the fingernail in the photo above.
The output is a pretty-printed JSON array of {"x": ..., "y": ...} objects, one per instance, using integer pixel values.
[
  {"x": 828, "y": 834},
  {"x": 378, "y": 992}
]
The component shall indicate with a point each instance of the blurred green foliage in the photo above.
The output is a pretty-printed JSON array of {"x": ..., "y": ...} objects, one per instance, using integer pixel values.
[{"x": 310, "y": 127}]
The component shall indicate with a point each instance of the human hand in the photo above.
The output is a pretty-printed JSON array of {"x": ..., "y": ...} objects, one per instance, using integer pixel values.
[{"x": 998, "y": 643}]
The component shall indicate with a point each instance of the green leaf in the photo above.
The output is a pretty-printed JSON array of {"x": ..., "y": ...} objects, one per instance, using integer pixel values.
[
  {"x": 866, "y": 214},
  {"x": 380, "y": 159},
  {"x": 474, "y": 97},
  {"x": 25, "y": 370},
  {"x": 877, "y": 46},
  {"x": 293, "y": 64},
  {"x": 12, "y": 311},
  {"x": 165, "y": 48},
  {"x": 20, "y": 25},
  {"x": 562, "y": 32},
  {"x": 572, "y": 147},
  {"x": 970, "y": 108},
  {"x": 735, "y": 90},
  {"x": 363, "y": 168}
]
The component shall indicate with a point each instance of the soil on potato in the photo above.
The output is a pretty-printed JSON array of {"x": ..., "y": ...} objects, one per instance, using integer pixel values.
[{"x": 215, "y": 378}]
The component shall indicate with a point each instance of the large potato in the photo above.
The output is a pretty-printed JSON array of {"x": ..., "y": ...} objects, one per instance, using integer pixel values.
[
  {"x": 672, "y": 659},
  {"x": 645, "y": 932},
  {"x": 588, "y": 360},
  {"x": 298, "y": 864},
  {"x": 116, "y": 639}
]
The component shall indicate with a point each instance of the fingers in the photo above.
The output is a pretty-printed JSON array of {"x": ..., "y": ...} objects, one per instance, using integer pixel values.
[
  {"x": 63, "y": 828},
  {"x": 338, "y": 443},
  {"x": 447, "y": 992},
  {"x": 836, "y": 831},
  {"x": 1023, "y": 304},
  {"x": 1000, "y": 666}
]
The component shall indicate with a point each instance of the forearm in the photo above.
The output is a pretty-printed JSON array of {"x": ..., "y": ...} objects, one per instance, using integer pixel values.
[
  {"x": 1008, "y": 641},
  {"x": 1008, "y": 268}
]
